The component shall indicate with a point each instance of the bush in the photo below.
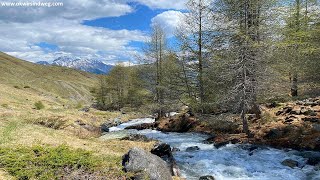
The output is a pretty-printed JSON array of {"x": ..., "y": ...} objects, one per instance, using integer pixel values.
[
  {"x": 26, "y": 87},
  {"x": 17, "y": 87},
  {"x": 79, "y": 105},
  {"x": 44, "y": 162},
  {"x": 4, "y": 105},
  {"x": 54, "y": 122},
  {"x": 39, "y": 105}
]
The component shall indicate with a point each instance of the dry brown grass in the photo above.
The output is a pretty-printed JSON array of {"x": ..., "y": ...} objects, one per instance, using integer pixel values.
[{"x": 5, "y": 176}]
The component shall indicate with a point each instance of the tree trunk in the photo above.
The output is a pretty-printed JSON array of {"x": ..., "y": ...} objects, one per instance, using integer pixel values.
[
  {"x": 294, "y": 85},
  {"x": 244, "y": 122},
  {"x": 200, "y": 58}
]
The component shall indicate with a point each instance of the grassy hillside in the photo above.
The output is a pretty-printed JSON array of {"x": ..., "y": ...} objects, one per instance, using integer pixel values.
[
  {"x": 52, "y": 82},
  {"x": 58, "y": 137}
]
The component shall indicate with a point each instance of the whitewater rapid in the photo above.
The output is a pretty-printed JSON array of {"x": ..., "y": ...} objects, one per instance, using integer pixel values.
[{"x": 232, "y": 162}]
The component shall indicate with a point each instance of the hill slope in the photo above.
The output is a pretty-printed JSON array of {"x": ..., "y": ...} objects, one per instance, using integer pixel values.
[{"x": 20, "y": 78}]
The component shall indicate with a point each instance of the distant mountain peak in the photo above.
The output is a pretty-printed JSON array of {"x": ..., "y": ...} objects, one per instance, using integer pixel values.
[
  {"x": 85, "y": 64},
  {"x": 43, "y": 63}
]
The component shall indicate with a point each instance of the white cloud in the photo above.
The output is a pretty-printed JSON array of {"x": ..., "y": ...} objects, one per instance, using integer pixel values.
[
  {"x": 71, "y": 9},
  {"x": 164, "y": 4},
  {"x": 69, "y": 36},
  {"x": 169, "y": 21},
  {"x": 22, "y": 28}
]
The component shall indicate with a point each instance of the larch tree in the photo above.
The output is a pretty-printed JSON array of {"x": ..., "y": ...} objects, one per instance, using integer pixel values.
[
  {"x": 195, "y": 37},
  {"x": 241, "y": 39},
  {"x": 155, "y": 53}
]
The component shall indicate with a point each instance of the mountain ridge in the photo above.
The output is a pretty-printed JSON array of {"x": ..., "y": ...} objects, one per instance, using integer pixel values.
[{"x": 84, "y": 64}]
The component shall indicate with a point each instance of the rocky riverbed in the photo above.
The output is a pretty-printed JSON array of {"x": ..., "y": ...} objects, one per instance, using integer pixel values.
[{"x": 197, "y": 159}]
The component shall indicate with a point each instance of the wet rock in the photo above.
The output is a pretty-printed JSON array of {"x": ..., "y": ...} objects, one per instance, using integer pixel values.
[
  {"x": 145, "y": 165},
  {"x": 175, "y": 149},
  {"x": 210, "y": 140},
  {"x": 137, "y": 137},
  {"x": 162, "y": 150},
  {"x": 206, "y": 178},
  {"x": 193, "y": 148},
  {"x": 105, "y": 127},
  {"x": 290, "y": 163},
  {"x": 142, "y": 126},
  {"x": 313, "y": 157}
]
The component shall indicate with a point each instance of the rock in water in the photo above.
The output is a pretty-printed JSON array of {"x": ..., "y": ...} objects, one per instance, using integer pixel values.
[
  {"x": 193, "y": 148},
  {"x": 206, "y": 178},
  {"x": 162, "y": 150},
  {"x": 137, "y": 137},
  {"x": 104, "y": 128},
  {"x": 290, "y": 163},
  {"x": 145, "y": 165}
]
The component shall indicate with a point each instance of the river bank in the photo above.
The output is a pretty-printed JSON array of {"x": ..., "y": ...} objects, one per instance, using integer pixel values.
[
  {"x": 293, "y": 125},
  {"x": 195, "y": 158}
]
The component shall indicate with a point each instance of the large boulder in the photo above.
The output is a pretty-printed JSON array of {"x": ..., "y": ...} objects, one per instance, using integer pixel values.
[
  {"x": 145, "y": 165},
  {"x": 165, "y": 152}
]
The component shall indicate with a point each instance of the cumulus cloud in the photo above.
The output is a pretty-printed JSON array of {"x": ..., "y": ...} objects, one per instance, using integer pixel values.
[
  {"x": 71, "y": 9},
  {"x": 69, "y": 36},
  {"x": 23, "y": 28},
  {"x": 169, "y": 21},
  {"x": 163, "y": 4}
]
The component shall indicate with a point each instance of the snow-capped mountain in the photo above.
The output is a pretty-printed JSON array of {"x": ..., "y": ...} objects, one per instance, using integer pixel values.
[
  {"x": 84, "y": 64},
  {"x": 43, "y": 63}
]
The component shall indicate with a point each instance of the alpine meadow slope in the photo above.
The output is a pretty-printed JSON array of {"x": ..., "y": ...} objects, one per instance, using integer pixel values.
[{"x": 52, "y": 82}]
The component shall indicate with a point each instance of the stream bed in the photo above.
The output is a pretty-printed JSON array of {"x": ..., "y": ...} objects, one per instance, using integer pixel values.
[{"x": 231, "y": 162}]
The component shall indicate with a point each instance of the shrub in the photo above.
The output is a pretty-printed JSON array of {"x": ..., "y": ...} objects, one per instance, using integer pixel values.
[
  {"x": 39, "y": 105},
  {"x": 44, "y": 162},
  {"x": 54, "y": 122},
  {"x": 79, "y": 105},
  {"x": 26, "y": 87},
  {"x": 17, "y": 87},
  {"x": 4, "y": 105}
]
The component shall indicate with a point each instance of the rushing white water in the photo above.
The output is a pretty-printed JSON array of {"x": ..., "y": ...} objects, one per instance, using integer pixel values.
[
  {"x": 131, "y": 123},
  {"x": 232, "y": 162}
]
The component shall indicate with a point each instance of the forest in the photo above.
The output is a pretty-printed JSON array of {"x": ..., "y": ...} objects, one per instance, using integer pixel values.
[{"x": 226, "y": 56}]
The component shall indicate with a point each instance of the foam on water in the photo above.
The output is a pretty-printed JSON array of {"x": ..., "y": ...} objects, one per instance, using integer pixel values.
[
  {"x": 232, "y": 162},
  {"x": 131, "y": 123}
]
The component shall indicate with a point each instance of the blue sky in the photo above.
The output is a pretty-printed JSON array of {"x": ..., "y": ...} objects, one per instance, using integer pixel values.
[{"x": 113, "y": 31}]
